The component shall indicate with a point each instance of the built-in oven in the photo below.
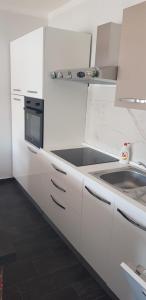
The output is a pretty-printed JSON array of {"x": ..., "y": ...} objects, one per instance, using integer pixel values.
[{"x": 34, "y": 121}]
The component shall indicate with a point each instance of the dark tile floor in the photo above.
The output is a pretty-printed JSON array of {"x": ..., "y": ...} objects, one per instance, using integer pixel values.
[{"x": 45, "y": 268}]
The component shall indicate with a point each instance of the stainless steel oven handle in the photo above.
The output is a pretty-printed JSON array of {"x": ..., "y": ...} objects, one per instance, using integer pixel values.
[
  {"x": 57, "y": 203},
  {"x": 59, "y": 170},
  {"x": 31, "y": 150},
  {"x": 129, "y": 219},
  {"x": 96, "y": 196},
  {"x": 32, "y": 92}
]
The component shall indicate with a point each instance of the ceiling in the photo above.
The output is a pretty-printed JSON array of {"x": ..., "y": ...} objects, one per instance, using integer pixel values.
[{"x": 39, "y": 8}]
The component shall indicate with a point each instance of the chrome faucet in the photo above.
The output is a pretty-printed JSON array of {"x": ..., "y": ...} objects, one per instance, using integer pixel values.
[{"x": 140, "y": 163}]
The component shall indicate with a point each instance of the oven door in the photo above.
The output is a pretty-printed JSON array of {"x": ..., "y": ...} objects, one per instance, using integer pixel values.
[{"x": 34, "y": 127}]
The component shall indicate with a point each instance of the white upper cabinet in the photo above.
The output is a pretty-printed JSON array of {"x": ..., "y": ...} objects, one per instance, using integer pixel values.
[
  {"x": 128, "y": 247},
  {"x": 33, "y": 49},
  {"x": 131, "y": 87},
  {"x": 27, "y": 64},
  {"x": 18, "y": 65}
]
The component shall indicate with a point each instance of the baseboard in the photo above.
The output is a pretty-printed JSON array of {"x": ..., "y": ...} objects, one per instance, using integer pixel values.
[
  {"x": 5, "y": 180},
  {"x": 98, "y": 279}
]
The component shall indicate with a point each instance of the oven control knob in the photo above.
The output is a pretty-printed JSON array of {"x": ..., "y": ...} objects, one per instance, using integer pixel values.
[
  {"x": 53, "y": 75},
  {"x": 81, "y": 74},
  {"x": 69, "y": 75},
  {"x": 59, "y": 75}
]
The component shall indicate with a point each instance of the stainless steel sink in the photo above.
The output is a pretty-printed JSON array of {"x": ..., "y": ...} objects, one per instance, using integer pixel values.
[
  {"x": 125, "y": 179},
  {"x": 129, "y": 180}
]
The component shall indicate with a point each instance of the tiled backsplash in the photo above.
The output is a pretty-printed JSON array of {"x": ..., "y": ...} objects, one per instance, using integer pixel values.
[{"x": 108, "y": 126}]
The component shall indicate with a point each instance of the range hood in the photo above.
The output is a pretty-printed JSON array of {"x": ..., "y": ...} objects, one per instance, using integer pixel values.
[{"x": 106, "y": 60}]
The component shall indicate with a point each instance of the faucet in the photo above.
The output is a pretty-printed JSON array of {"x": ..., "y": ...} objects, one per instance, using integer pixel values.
[{"x": 140, "y": 163}]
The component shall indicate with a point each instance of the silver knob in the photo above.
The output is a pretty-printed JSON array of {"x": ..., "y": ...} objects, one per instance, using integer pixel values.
[
  {"x": 53, "y": 75},
  {"x": 69, "y": 75},
  {"x": 59, "y": 75}
]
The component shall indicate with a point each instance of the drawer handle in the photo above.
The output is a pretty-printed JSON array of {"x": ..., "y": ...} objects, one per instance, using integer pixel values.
[
  {"x": 16, "y": 99},
  {"x": 17, "y": 90},
  {"x": 96, "y": 196},
  {"x": 31, "y": 150},
  {"x": 58, "y": 170},
  {"x": 57, "y": 203},
  {"x": 57, "y": 186},
  {"x": 129, "y": 219},
  {"x": 32, "y": 92},
  {"x": 144, "y": 293}
]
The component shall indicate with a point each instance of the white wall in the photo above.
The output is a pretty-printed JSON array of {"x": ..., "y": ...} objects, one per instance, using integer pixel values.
[
  {"x": 107, "y": 127},
  {"x": 11, "y": 27}
]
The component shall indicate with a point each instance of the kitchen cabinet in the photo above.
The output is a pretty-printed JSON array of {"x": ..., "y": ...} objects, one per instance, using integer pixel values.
[
  {"x": 128, "y": 247},
  {"x": 33, "y": 57},
  {"x": 18, "y": 146},
  {"x": 131, "y": 88},
  {"x": 18, "y": 65},
  {"x": 27, "y": 64},
  {"x": 96, "y": 228},
  {"x": 38, "y": 176},
  {"x": 65, "y": 200},
  {"x": 28, "y": 161}
]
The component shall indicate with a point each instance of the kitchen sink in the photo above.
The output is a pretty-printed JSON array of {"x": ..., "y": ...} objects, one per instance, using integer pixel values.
[
  {"x": 125, "y": 179},
  {"x": 129, "y": 180}
]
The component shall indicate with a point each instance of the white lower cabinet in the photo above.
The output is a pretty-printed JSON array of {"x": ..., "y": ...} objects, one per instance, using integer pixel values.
[
  {"x": 38, "y": 174},
  {"x": 128, "y": 247},
  {"x": 107, "y": 230},
  {"x": 19, "y": 152},
  {"x": 96, "y": 228},
  {"x": 65, "y": 200}
]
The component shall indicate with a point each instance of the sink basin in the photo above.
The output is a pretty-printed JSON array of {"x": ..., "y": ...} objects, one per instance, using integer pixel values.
[{"x": 125, "y": 179}]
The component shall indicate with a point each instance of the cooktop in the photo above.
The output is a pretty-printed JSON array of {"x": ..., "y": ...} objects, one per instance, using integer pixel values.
[{"x": 84, "y": 156}]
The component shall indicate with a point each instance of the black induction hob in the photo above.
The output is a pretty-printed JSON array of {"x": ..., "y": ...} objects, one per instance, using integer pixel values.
[{"x": 84, "y": 156}]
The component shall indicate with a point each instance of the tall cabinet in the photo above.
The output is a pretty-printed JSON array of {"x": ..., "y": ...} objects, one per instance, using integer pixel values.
[{"x": 33, "y": 57}]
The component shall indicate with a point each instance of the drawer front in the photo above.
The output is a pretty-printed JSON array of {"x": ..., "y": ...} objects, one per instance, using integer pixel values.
[
  {"x": 70, "y": 181},
  {"x": 56, "y": 190},
  {"x": 56, "y": 212}
]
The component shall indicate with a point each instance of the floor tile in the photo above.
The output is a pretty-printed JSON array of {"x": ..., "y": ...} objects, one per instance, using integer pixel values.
[{"x": 45, "y": 269}]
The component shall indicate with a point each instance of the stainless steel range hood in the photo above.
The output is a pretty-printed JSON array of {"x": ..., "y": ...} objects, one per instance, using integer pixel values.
[{"x": 106, "y": 60}]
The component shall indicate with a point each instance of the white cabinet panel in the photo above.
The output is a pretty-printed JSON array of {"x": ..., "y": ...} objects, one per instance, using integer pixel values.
[
  {"x": 128, "y": 246},
  {"x": 20, "y": 163},
  {"x": 27, "y": 64},
  {"x": 17, "y": 66},
  {"x": 96, "y": 228},
  {"x": 34, "y": 48}
]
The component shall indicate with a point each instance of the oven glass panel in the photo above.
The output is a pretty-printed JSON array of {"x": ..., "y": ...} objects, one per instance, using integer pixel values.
[{"x": 33, "y": 128}]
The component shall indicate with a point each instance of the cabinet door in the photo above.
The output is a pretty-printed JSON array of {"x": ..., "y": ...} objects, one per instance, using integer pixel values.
[
  {"x": 18, "y": 144},
  {"x": 27, "y": 64},
  {"x": 18, "y": 65},
  {"x": 132, "y": 64},
  {"x": 128, "y": 247},
  {"x": 38, "y": 177},
  {"x": 97, "y": 217},
  {"x": 33, "y": 49}
]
